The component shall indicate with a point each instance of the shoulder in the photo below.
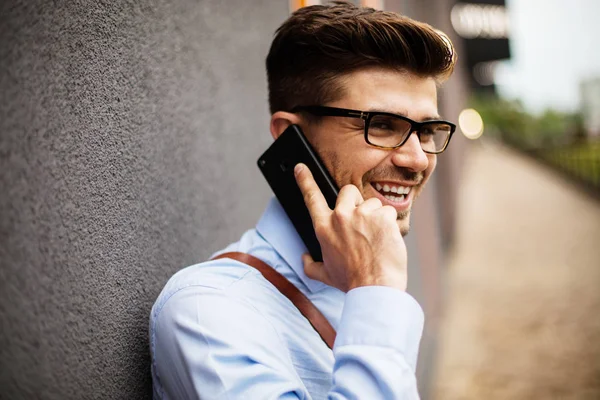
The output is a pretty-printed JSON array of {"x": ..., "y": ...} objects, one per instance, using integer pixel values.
[
  {"x": 215, "y": 274},
  {"x": 208, "y": 315},
  {"x": 228, "y": 284},
  {"x": 210, "y": 277},
  {"x": 215, "y": 297},
  {"x": 218, "y": 275}
]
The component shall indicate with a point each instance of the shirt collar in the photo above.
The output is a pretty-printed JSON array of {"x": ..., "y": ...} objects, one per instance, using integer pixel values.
[{"x": 277, "y": 229}]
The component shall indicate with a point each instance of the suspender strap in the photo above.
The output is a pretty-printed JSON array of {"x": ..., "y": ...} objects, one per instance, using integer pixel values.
[{"x": 302, "y": 303}]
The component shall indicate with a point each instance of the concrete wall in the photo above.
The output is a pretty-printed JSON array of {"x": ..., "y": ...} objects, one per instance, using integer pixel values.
[{"x": 129, "y": 132}]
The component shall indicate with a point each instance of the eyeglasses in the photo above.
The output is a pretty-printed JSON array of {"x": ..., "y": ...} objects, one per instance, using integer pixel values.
[{"x": 390, "y": 131}]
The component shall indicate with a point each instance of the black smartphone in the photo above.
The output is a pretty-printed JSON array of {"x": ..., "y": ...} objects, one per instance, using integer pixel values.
[{"x": 277, "y": 165}]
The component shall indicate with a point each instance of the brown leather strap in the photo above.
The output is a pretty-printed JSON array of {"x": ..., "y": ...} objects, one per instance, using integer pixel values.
[{"x": 302, "y": 303}]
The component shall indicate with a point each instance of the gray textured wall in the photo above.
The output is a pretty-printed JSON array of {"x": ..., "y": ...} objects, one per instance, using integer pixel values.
[{"x": 129, "y": 132}]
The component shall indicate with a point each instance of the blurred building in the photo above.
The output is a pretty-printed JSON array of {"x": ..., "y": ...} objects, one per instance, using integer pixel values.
[{"x": 483, "y": 27}]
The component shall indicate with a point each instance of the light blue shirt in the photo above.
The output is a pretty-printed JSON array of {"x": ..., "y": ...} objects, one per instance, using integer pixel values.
[{"x": 219, "y": 330}]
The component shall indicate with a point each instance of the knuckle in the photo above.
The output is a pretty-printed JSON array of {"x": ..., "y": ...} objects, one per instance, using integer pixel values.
[
  {"x": 309, "y": 197},
  {"x": 378, "y": 202},
  {"x": 320, "y": 228},
  {"x": 375, "y": 202},
  {"x": 363, "y": 211},
  {"x": 340, "y": 214}
]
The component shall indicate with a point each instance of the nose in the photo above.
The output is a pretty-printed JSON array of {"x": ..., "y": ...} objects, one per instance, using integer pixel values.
[{"x": 411, "y": 155}]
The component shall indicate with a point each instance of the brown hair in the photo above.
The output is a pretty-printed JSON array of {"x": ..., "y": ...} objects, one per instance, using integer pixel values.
[{"x": 318, "y": 44}]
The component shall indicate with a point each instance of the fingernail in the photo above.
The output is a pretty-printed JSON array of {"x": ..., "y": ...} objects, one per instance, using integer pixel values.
[{"x": 298, "y": 168}]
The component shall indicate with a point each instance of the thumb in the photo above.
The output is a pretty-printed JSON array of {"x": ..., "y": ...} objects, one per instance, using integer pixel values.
[{"x": 314, "y": 269}]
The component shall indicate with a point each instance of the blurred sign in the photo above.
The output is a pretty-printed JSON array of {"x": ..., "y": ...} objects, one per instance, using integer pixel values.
[
  {"x": 485, "y": 29},
  {"x": 480, "y": 21}
]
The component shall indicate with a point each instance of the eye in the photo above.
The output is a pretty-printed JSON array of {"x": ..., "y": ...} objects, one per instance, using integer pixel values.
[
  {"x": 382, "y": 123},
  {"x": 427, "y": 130},
  {"x": 435, "y": 129}
]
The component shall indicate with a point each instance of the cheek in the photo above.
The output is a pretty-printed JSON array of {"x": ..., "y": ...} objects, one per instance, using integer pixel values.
[
  {"x": 431, "y": 167},
  {"x": 336, "y": 167},
  {"x": 347, "y": 169},
  {"x": 360, "y": 164},
  {"x": 347, "y": 160}
]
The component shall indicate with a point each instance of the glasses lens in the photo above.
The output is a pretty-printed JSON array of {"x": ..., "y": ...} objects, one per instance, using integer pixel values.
[
  {"x": 387, "y": 130},
  {"x": 434, "y": 136}
]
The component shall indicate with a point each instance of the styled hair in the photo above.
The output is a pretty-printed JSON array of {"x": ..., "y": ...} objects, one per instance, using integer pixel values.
[{"x": 317, "y": 45}]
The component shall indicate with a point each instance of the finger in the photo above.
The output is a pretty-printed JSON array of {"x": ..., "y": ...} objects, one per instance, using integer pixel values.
[
  {"x": 313, "y": 198},
  {"x": 349, "y": 197},
  {"x": 388, "y": 212},
  {"x": 370, "y": 205},
  {"x": 314, "y": 269}
]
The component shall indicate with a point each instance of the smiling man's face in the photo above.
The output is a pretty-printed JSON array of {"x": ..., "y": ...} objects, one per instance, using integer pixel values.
[{"x": 384, "y": 174}]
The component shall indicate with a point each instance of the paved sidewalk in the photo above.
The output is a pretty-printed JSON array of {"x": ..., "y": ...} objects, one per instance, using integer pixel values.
[{"x": 522, "y": 308}]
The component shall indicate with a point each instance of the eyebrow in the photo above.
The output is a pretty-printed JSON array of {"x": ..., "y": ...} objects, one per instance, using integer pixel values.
[{"x": 404, "y": 114}]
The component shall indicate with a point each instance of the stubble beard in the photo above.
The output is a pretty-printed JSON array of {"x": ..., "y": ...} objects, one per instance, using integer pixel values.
[
  {"x": 404, "y": 229},
  {"x": 343, "y": 177}
]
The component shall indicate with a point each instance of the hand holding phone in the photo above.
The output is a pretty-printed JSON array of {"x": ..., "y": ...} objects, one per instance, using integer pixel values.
[
  {"x": 277, "y": 165},
  {"x": 360, "y": 240}
]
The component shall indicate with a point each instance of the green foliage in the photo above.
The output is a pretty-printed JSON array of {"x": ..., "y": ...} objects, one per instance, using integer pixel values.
[
  {"x": 557, "y": 137},
  {"x": 508, "y": 120},
  {"x": 581, "y": 160}
]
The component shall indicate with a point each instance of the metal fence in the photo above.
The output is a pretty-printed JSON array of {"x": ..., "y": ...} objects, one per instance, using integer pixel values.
[{"x": 580, "y": 162}]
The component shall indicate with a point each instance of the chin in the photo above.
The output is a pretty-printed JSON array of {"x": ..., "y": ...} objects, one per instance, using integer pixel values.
[{"x": 403, "y": 225}]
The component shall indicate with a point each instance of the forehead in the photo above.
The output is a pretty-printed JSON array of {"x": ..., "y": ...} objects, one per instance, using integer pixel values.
[{"x": 398, "y": 92}]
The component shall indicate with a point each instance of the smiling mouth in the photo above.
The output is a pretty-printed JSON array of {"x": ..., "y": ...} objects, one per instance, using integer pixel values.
[{"x": 393, "y": 193}]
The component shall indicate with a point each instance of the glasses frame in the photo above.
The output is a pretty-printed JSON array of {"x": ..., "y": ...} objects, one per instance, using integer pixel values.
[{"x": 367, "y": 116}]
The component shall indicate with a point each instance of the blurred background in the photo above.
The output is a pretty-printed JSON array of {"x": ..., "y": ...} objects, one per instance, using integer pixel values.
[{"x": 128, "y": 136}]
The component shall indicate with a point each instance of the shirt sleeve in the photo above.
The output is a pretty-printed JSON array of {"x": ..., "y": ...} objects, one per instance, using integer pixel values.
[
  {"x": 208, "y": 344},
  {"x": 377, "y": 345}
]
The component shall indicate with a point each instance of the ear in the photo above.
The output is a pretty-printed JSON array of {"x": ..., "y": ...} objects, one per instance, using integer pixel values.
[{"x": 280, "y": 122}]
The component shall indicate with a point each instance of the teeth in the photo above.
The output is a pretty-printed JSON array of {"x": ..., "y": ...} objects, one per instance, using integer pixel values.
[
  {"x": 393, "y": 189},
  {"x": 396, "y": 199}
]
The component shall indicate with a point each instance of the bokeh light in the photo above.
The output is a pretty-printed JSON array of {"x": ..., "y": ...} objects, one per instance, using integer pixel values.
[{"x": 470, "y": 123}]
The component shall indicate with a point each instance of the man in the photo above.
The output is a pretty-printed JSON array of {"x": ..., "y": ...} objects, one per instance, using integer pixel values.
[{"x": 219, "y": 329}]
